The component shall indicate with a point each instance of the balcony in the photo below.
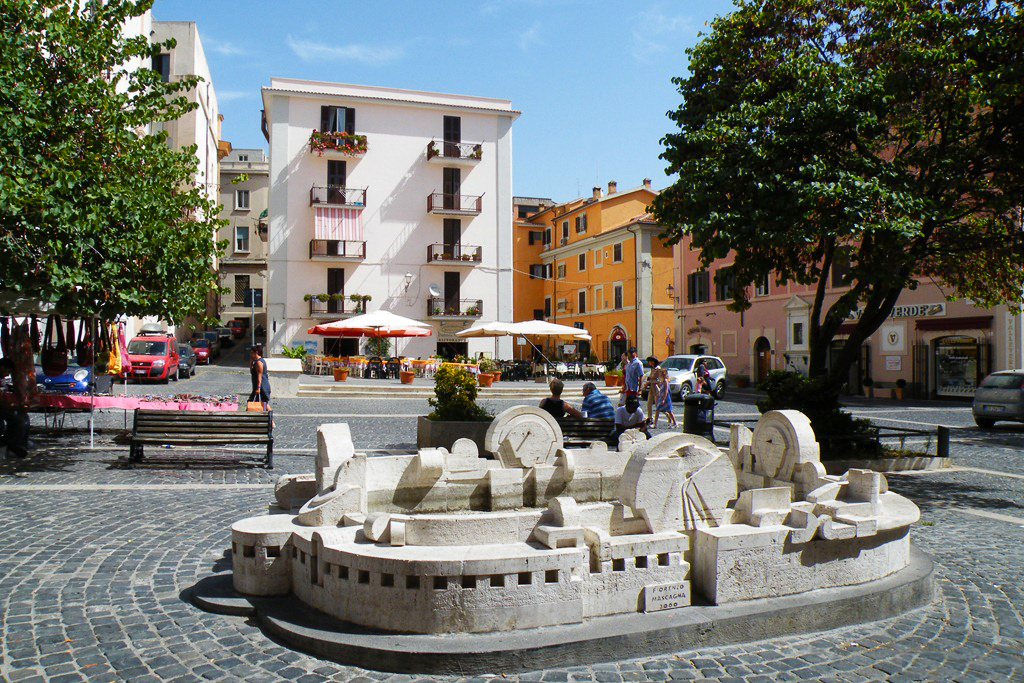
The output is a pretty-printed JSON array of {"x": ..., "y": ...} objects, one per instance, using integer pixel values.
[
  {"x": 457, "y": 153},
  {"x": 339, "y": 250},
  {"x": 441, "y": 204},
  {"x": 454, "y": 254},
  {"x": 337, "y": 195},
  {"x": 337, "y": 144},
  {"x": 439, "y": 308},
  {"x": 333, "y": 308}
]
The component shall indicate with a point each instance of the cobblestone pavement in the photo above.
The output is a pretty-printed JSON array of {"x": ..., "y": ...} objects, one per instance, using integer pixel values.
[{"x": 95, "y": 561}]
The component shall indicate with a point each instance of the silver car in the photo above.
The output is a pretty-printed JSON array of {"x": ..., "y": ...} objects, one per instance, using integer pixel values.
[
  {"x": 681, "y": 380},
  {"x": 1000, "y": 397}
]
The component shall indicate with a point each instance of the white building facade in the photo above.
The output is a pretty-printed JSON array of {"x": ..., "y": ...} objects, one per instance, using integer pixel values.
[
  {"x": 401, "y": 196},
  {"x": 244, "y": 190}
]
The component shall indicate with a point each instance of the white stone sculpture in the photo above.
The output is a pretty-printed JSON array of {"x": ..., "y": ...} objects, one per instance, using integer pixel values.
[{"x": 440, "y": 541}]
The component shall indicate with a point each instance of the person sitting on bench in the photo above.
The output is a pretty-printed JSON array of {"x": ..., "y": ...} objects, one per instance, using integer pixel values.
[
  {"x": 596, "y": 405},
  {"x": 630, "y": 416},
  {"x": 554, "y": 403}
]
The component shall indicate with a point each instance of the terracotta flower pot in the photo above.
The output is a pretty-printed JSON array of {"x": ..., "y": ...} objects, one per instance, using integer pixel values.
[
  {"x": 484, "y": 379},
  {"x": 340, "y": 374},
  {"x": 612, "y": 380},
  {"x": 406, "y": 376}
]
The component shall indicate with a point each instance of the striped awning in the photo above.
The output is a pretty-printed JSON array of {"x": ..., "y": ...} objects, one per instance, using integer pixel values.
[{"x": 334, "y": 223}]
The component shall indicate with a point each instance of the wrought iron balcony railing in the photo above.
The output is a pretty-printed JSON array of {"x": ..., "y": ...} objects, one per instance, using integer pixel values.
[
  {"x": 337, "y": 195},
  {"x": 337, "y": 249},
  {"x": 448, "y": 253},
  {"x": 439, "y": 307},
  {"x": 324, "y": 304},
  {"x": 470, "y": 151},
  {"x": 454, "y": 204}
]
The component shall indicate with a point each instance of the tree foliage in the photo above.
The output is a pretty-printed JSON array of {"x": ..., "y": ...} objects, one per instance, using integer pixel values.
[
  {"x": 97, "y": 215},
  {"x": 886, "y": 132}
]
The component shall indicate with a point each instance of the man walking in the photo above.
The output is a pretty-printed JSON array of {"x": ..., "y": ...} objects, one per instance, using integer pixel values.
[{"x": 634, "y": 375}]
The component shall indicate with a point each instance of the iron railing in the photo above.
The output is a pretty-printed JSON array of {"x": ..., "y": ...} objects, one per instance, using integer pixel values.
[
  {"x": 439, "y": 307},
  {"x": 329, "y": 307},
  {"x": 336, "y": 195},
  {"x": 337, "y": 249},
  {"x": 454, "y": 252},
  {"x": 439, "y": 202},
  {"x": 455, "y": 150}
]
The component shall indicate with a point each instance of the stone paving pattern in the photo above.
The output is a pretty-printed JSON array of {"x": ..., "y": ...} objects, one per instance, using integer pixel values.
[{"x": 96, "y": 561}]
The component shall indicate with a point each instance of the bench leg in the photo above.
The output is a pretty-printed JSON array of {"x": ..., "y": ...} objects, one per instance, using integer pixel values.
[{"x": 270, "y": 457}]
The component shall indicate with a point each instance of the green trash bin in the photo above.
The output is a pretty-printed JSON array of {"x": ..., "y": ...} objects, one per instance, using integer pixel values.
[{"x": 699, "y": 415}]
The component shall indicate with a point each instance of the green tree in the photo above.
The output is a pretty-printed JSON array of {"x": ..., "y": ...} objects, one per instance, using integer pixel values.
[
  {"x": 889, "y": 133},
  {"x": 97, "y": 216}
]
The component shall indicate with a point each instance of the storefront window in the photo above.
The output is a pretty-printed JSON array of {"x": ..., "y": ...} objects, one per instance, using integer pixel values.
[{"x": 957, "y": 366}]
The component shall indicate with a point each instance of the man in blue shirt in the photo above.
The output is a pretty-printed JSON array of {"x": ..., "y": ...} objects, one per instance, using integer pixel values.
[
  {"x": 596, "y": 405},
  {"x": 634, "y": 374}
]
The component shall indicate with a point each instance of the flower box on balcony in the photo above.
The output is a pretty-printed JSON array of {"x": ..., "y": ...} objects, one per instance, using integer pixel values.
[{"x": 346, "y": 143}]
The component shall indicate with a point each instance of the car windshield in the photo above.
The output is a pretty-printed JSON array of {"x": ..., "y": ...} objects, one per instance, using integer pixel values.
[
  {"x": 201, "y": 343},
  {"x": 144, "y": 347},
  {"x": 677, "y": 363},
  {"x": 1012, "y": 381}
]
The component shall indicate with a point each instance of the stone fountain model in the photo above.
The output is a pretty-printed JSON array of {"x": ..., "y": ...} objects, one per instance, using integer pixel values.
[{"x": 480, "y": 555}]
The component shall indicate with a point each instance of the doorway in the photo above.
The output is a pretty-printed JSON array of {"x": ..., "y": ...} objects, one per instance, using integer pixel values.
[{"x": 763, "y": 359}]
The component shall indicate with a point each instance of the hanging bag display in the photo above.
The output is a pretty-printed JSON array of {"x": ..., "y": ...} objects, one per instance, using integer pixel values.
[
  {"x": 24, "y": 378},
  {"x": 101, "y": 361},
  {"x": 113, "y": 351},
  {"x": 84, "y": 347},
  {"x": 53, "y": 355}
]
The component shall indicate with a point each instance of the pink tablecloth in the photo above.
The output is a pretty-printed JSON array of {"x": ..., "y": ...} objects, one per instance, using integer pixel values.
[{"x": 69, "y": 402}]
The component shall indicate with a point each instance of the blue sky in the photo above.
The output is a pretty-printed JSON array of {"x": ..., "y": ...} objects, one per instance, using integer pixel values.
[{"x": 591, "y": 78}]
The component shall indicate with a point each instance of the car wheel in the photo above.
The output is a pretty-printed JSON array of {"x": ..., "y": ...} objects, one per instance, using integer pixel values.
[
  {"x": 175, "y": 375},
  {"x": 684, "y": 389},
  {"x": 984, "y": 422},
  {"x": 720, "y": 389}
]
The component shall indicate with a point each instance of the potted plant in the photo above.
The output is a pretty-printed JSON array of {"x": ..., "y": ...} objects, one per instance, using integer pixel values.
[
  {"x": 323, "y": 298},
  {"x": 340, "y": 374},
  {"x": 869, "y": 384},
  {"x": 406, "y": 376},
  {"x": 490, "y": 368},
  {"x": 456, "y": 414},
  {"x": 901, "y": 384},
  {"x": 307, "y": 297},
  {"x": 613, "y": 378},
  {"x": 446, "y": 256}
]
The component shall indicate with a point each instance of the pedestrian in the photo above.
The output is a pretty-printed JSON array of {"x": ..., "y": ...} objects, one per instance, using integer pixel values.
[
  {"x": 555, "y": 405},
  {"x": 663, "y": 396},
  {"x": 630, "y": 416},
  {"x": 634, "y": 374},
  {"x": 702, "y": 378},
  {"x": 260, "y": 378},
  {"x": 596, "y": 405},
  {"x": 653, "y": 363}
]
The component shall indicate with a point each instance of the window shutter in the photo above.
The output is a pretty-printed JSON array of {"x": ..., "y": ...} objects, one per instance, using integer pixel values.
[
  {"x": 325, "y": 119},
  {"x": 350, "y": 120}
]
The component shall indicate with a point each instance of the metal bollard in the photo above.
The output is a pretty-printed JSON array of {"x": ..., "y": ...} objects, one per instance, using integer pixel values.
[{"x": 942, "y": 447}]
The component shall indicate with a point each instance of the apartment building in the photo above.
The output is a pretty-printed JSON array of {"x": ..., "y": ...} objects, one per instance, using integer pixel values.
[
  {"x": 597, "y": 263},
  {"x": 244, "y": 194},
  {"x": 401, "y": 196},
  {"x": 941, "y": 348}
]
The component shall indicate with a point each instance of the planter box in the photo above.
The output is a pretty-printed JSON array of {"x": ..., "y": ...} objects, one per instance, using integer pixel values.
[
  {"x": 612, "y": 380},
  {"x": 340, "y": 374},
  {"x": 406, "y": 376},
  {"x": 431, "y": 434},
  {"x": 484, "y": 379}
]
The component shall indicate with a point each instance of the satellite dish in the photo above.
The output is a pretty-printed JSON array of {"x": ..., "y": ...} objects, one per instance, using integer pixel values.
[{"x": 434, "y": 290}]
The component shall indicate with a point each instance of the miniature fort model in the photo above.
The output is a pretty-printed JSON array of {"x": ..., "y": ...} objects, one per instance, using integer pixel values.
[{"x": 452, "y": 542}]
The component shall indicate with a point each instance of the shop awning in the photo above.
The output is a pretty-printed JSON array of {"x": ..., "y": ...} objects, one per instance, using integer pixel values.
[{"x": 978, "y": 322}]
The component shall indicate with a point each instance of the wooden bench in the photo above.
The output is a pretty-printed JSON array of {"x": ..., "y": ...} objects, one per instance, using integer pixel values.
[
  {"x": 196, "y": 428},
  {"x": 582, "y": 430}
]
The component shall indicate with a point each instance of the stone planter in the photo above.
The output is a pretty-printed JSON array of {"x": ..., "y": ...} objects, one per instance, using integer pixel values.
[
  {"x": 340, "y": 374},
  {"x": 612, "y": 380},
  {"x": 406, "y": 376},
  {"x": 484, "y": 379},
  {"x": 742, "y": 382},
  {"x": 436, "y": 434}
]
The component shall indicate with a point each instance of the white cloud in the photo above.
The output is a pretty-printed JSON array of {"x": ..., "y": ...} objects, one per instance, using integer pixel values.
[
  {"x": 530, "y": 37},
  {"x": 231, "y": 95},
  {"x": 227, "y": 49},
  {"x": 656, "y": 33},
  {"x": 309, "y": 51}
]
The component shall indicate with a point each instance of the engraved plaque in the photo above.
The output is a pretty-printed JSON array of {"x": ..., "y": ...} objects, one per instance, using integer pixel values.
[{"x": 666, "y": 596}]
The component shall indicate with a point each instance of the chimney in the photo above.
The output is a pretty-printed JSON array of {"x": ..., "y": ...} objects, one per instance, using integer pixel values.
[
  {"x": 647, "y": 183},
  {"x": 597, "y": 193},
  {"x": 612, "y": 187}
]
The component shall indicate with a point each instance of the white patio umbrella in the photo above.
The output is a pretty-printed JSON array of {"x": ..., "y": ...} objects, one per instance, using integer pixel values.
[{"x": 527, "y": 328}]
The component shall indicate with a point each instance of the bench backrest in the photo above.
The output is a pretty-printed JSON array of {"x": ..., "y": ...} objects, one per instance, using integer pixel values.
[
  {"x": 586, "y": 427},
  {"x": 184, "y": 422}
]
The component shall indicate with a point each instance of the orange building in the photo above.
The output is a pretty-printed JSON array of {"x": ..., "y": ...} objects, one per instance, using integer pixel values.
[{"x": 597, "y": 263}]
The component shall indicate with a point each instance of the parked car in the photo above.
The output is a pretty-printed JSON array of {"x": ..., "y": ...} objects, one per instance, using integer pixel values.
[
  {"x": 1000, "y": 397},
  {"x": 153, "y": 355},
  {"x": 237, "y": 328},
  {"x": 680, "y": 373},
  {"x": 225, "y": 336},
  {"x": 214, "y": 338},
  {"x": 201, "y": 349},
  {"x": 186, "y": 361},
  {"x": 74, "y": 380}
]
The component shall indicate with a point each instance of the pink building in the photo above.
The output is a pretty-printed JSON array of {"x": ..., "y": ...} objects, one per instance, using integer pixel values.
[{"x": 942, "y": 347}]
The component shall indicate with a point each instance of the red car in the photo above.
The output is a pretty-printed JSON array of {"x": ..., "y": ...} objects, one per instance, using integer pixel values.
[
  {"x": 237, "y": 328},
  {"x": 202, "y": 351}
]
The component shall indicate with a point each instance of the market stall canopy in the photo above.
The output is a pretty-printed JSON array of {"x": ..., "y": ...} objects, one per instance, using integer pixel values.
[{"x": 377, "y": 324}]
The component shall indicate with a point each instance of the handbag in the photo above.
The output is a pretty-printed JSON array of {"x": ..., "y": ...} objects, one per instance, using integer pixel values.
[
  {"x": 84, "y": 348},
  {"x": 101, "y": 354},
  {"x": 254, "y": 407},
  {"x": 53, "y": 355}
]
